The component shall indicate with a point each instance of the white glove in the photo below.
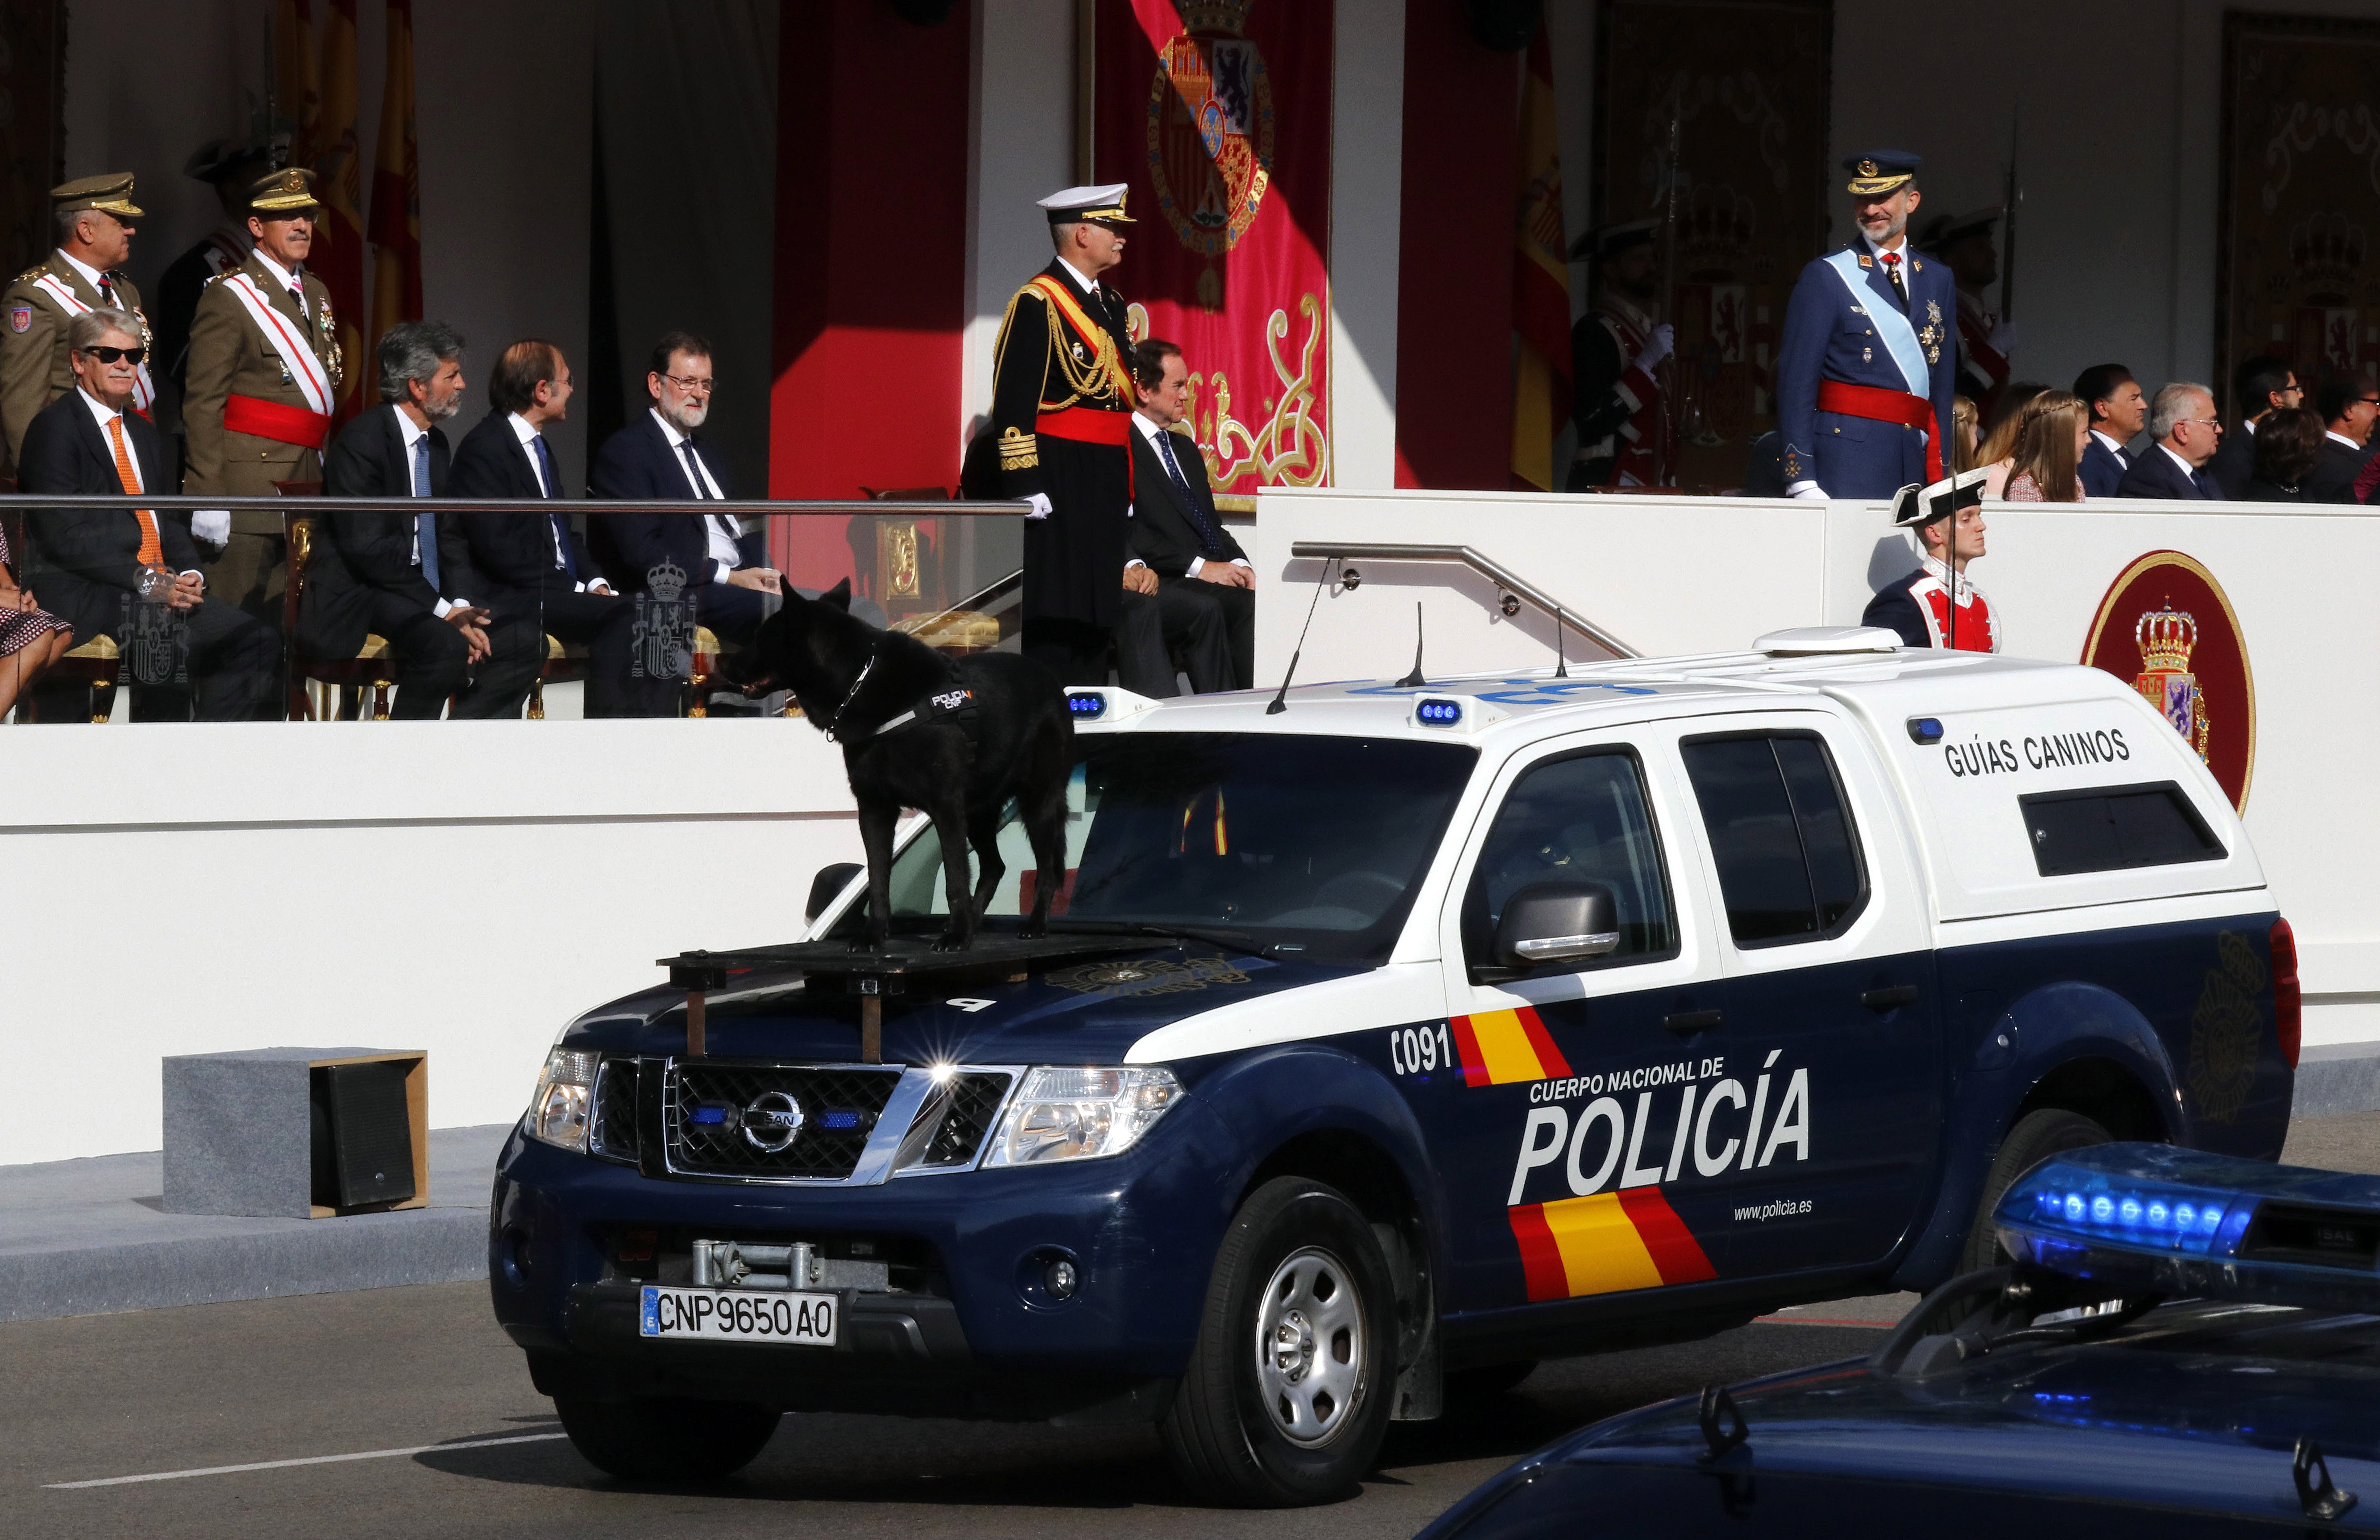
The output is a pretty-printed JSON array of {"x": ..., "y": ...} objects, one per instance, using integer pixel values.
[
  {"x": 212, "y": 526},
  {"x": 1808, "y": 489},
  {"x": 1041, "y": 502},
  {"x": 1665, "y": 337},
  {"x": 2003, "y": 338}
]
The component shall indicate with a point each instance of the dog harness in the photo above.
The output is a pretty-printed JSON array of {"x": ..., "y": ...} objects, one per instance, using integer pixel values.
[{"x": 955, "y": 705}]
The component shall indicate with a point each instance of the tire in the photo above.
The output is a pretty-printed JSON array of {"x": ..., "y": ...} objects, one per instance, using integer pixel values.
[
  {"x": 2036, "y": 1137},
  {"x": 653, "y": 1438},
  {"x": 1292, "y": 1378},
  {"x": 1488, "y": 1380}
]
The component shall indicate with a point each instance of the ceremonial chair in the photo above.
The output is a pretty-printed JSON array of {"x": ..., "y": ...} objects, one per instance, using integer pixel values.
[
  {"x": 565, "y": 662},
  {"x": 312, "y": 681}
]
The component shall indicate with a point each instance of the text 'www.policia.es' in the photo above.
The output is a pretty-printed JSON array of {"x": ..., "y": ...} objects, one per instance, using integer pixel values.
[{"x": 1783, "y": 1208}]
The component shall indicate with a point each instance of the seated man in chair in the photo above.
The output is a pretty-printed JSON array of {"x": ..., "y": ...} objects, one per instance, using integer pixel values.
[
  {"x": 1175, "y": 531},
  {"x": 378, "y": 573},
  {"x": 94, "y": 568}
]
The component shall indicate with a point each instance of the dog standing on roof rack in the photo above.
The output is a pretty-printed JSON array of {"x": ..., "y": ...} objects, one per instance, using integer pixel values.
[{"x": 956, "y": 740}]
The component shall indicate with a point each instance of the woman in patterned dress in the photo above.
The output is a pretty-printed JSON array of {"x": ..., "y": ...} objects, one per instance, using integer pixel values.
[{"x": 31, "y": 637}]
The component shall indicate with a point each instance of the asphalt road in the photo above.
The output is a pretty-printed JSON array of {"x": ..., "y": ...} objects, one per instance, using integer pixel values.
[{"x": 420, "y": 1382}]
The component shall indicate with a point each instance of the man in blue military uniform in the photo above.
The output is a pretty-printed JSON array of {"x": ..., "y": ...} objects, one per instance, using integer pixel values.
[{"x": 1868, "y": 366}]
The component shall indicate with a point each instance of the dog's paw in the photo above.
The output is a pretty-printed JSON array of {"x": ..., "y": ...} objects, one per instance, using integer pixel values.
[
  {"x": 865, "y": 943},
  {"x": 952, "y": 940},
  {"x": 1032, "y": 930}
]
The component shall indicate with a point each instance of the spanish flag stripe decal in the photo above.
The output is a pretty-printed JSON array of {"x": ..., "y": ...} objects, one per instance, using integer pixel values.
[
  {"x": 1605, "y": 1244},
  {"x": 1540, "y": 1258},
  {"x": 1466, "y": 1043},
  {"x": 1504, "y": 1048},
  {"x": 1671, "y": 1244}
]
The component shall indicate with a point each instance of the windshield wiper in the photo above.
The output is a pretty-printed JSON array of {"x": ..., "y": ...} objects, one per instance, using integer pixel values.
[{"x": 1234, "y": 941}]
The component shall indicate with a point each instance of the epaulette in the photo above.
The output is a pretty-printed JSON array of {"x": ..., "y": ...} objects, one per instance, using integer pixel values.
[
  {"x": 37, "y": 270},
  {"x": 218, "y": 278}
]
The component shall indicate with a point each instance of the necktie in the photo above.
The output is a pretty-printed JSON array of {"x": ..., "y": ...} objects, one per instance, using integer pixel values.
[
  {"x": 693, "y": 469},
  {"x": 152, "y": 551},
  {"x": 1207, "y": 536},
  {"x": 106, "y": 292},
  {"x": 562, "y": 556},
  {"x": 297, "y": 290},
  {"x": 425, "y": 525},
  {"x": 1891, "y": 260}
]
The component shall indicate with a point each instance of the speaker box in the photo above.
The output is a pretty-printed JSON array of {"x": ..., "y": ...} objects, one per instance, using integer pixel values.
[{"x": 362, "y": 1135}]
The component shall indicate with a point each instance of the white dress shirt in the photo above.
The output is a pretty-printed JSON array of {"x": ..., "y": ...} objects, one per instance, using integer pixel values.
[
  {"x": 91, "y": 275},
  {"x": 1150, "y": 430},
  {"x": 718, "y": 528},
  {"x": 105, "y": 415},
  {"x": 2114, "y": 448},
  {"x": 288, "y": 280}
]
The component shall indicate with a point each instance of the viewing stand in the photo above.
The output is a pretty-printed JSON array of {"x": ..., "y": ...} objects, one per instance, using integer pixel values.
[{"x": 874, "y": 974}]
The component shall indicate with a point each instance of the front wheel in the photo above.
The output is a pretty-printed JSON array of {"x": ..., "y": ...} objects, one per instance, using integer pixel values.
[
  {"x": 653, "y": 1438},
  {"x": 2037, "y": 1138},
  {"x": 1288, "y": 1392}
]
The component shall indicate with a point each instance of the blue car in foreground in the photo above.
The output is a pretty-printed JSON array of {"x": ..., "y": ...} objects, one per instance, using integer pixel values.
[{"x": 2184, "y": 1344}]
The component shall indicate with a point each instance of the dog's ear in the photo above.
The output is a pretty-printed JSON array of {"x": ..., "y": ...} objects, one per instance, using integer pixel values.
[{"x": 839, "y": 596}]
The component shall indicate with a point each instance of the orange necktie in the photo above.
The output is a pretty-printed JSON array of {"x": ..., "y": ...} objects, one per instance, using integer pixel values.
[{"x": 152, "y": 552}]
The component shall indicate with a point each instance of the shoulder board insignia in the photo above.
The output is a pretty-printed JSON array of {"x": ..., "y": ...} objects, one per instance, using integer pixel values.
[
  {"x": 1864, "y": 261},
  {"x": 36, "y": 271},
  {"x": 1915, "y": 265}
]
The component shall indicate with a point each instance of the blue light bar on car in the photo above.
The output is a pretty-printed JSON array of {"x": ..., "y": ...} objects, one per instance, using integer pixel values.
[
  {"x": 1087, "y": 705},
  {"x": 1437, "y": 712},
  {"x": 2177, "y": 1221}
]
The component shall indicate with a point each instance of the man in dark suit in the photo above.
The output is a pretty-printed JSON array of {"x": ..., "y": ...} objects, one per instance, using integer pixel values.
[
  {"x": 2183, "y": 421},
  {"x": 2117, "y": 409},
  {"x": 91, "y": 567},
  {"x": 2259, "y": 387},
  {"x": 1176, "y": 532},
  {"x": 2349, "y": 404},
  {"x": 661, "y": 455},
  {"x": 520, "y": 566},
  {"x": 378, "y": 573}
]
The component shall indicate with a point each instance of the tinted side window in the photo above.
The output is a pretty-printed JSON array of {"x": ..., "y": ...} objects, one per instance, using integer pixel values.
[
  {"x": 2116, "y": 827},
  {"x": 1581, "y": 820},
  {"x": 1787, "y": 850}
]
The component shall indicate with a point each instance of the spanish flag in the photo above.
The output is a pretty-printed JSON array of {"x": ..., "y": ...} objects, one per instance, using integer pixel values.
[
  {"x": 397, "y": 187},
  {"x": 338, "y": 255},
  {"x": 1605, "y": 1244},
  {"x": 1503, "y": 1048},
  {"x": 1541, "y": 382},
  {"x": 296, "y": 87}
]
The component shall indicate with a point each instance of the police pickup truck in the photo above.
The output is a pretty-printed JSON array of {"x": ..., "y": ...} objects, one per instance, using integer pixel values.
[{"x": 1387, "y": 1043}]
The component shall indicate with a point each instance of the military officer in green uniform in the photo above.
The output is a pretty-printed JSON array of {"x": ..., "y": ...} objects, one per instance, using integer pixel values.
[
  {"x": 93, "y": 221},
  {"x": 261, "y": 381}
]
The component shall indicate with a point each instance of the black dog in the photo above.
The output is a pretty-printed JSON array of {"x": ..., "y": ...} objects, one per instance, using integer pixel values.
[{"x": 954, "y": 740}]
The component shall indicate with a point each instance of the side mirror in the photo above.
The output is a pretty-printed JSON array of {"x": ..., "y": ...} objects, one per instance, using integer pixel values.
[
  {"x": 829, "y": 881},
  {"x": 1557, "y": 922}
]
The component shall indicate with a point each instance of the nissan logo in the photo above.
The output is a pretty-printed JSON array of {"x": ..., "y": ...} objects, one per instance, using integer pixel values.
[{"x": 773, "y": 1120}]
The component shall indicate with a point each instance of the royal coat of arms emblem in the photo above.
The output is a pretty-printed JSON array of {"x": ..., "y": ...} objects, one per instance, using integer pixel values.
[
  {"x": 2166, "y": 637},
  {"x": 1210, "y": 132}
]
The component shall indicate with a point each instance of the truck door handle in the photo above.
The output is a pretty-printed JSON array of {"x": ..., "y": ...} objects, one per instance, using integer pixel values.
[
  {"x": 1885, "y": 999},
  {"x": 1686, "y": 1022}
]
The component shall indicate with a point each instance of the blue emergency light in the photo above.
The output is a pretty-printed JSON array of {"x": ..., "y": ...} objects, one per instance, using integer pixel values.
[
  {"x": 1438, "y": 713},
  {"x": 2181, "y": 1221},
  {"x": 1087, "y": 705}
]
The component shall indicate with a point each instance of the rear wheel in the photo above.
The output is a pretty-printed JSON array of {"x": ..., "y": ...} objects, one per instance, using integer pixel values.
[
  {"x": 1288, "y": 1392},
  {"x": 2036, "y": 1137},
  {"x": 654, "y": 1438}
]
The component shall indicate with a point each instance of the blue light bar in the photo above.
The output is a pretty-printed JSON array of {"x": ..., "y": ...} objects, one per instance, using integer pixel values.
[
  {"x": 839, "y": 1120},
  {"x": 1925, "y": 730},
  {"x": 1087, "y": 705},
  {"x": 2177, "y": 1221},
  {"x": 1438, "y": 713}
]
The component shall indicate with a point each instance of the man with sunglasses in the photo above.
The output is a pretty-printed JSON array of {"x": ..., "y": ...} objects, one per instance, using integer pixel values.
[
  {"x": 94, "y": 222},
  {"x": 262, "y": 379},
  {"x": 94, "y": 567}
]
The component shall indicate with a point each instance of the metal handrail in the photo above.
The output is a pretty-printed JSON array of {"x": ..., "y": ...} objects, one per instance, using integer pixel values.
[
  {"x": 1464, "y": 555},
  {"x": 324, "y": 503}
]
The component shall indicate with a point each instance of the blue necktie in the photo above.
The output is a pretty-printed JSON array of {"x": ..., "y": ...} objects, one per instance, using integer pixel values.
[
  {"x": 1206, "y": 537},
  {"x": 693, "y": 469},
  {"x": 562, "y": 556},
  {"x": 425, "y": 525}
]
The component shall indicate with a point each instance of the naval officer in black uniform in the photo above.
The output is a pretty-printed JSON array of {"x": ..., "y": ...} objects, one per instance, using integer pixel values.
[{"x": 1060, "y": 424}]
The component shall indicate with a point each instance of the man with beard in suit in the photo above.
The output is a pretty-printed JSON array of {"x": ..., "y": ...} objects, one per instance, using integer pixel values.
[
  {"x": 1177, "y": 537},
  {"x": 95, "y": 568},
  {"x": 378, "y": 573}
]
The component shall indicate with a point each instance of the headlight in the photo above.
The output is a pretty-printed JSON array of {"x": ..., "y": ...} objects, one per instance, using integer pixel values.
[
  {"x": 1069, "y": 1115},
  {"x": 564, "y": 1103}
]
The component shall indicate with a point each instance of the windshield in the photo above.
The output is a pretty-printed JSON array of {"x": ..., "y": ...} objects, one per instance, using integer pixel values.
[{"x": 1306, "y": 844}]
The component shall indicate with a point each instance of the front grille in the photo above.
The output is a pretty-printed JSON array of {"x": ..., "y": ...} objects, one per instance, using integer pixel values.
[
  {"x": 957, "y": 1120},
  {"x": 722, "y": 1119},
  {"x": 614, "y": 1135}
]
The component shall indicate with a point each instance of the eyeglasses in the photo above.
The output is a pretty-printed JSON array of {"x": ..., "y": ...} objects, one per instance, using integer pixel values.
[
  {"x": 109, "y": 354},
  {"x": 691, "y": 386}
]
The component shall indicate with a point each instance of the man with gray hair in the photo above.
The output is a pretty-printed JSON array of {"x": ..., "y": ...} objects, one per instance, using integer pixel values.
[
  {"x": 378, "y": 573},
  {"x": 2183, "y": 421},
  {"x": 92, "y": 221}
]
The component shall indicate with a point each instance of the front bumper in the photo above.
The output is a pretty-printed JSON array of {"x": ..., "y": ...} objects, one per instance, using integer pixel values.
[{"x": 1141, "y": 1230}]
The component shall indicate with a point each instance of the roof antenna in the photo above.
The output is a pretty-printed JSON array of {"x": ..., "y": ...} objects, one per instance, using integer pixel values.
[
  {"x": 1414, "y": 679},
  {"x": 1281, "y": 696},
  {"x": 1562, "y": 664}
]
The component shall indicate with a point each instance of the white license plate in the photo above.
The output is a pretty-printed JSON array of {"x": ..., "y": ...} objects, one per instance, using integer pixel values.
[{"x": 738, "y": 1315}]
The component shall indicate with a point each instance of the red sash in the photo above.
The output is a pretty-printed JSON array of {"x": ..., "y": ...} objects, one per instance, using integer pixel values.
[
  {"x": 271, "y": 420},
  {"x": 1882, "y": 406},
  {"x": 1087, "y": 425}
]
